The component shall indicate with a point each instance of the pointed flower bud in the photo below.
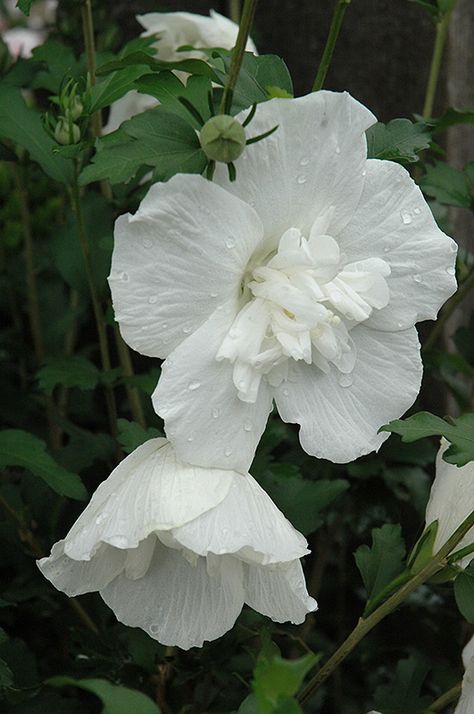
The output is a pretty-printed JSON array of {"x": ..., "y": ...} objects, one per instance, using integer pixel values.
[
  {"x": 75, "y": 108},
  {"x": 222, "y": 138},
  {"x": 66, "y": 132}
]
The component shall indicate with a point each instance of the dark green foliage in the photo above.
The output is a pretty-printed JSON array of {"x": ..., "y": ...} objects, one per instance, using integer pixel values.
[
  {"x": 383, "y": 561},
  {"x": 400, "y": 140}
]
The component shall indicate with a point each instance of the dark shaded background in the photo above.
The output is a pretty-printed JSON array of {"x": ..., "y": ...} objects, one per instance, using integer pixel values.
[{"x": 382, "y": 57}]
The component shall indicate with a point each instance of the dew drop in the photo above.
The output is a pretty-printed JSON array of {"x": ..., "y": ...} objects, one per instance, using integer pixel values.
[
  {"x": 228, "y": 452},
  {"x": 186, "y": 330},
  {"x": 417, "y": 278},
  {"x": 406, "y": 218},
  {"x": 190, "y": 438},
  {"x": 417, "y": 211},
  {"x": 152, "y": 299},
  {"x": 214, "y": 295},
  {"x": 451, "y": 271},
  {"x": 304, "y": 161},
  {"x": 164, "y": 326},
  {"x": 154, "y": 629},
  {"x": 338, "y": 149},
  {"x": 123, "y": 276},
  {"x": 345, "y": 380},
  {"x": 193, "y": 386},
  {"x": 248, "y": 426},
  {"x": 400, "y": 325},
  {"x": 301, "y": 179},
  {"x": 147, "y": 243},
  {"x": 215, "y": 413},
  {"x": 454, "y": 247},
  {"x": 285, "y": 392},
  {"x": 386, "y": 249},
  {"x": 230, "y": 243}
]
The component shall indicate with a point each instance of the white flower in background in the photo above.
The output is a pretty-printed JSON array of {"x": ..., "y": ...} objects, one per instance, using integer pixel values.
[
  {"x": 175, "y": 29},
  {"x": 451, "y": 501},
  {"x": 465, "y": 704},
  {"x": 299, "y": 282},
  {"x": 21, "y": 41},
  {"x": 177, "y": 550}
]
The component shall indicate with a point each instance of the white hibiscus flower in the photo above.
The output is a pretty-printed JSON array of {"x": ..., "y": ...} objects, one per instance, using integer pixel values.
[
  {"x": 300, "y": 282},
  {"x": 465, "y": 704},
  {"x": 175, "y": 29},
  {"x": 177, "y": 550},
  {"x": 451, "y": 501}
]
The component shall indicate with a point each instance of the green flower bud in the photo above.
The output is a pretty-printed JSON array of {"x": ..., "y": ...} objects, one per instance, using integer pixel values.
[
  {"x": 66, "y": 132},
  {"x": 75, "y": 108},
  {"x": 222, "y": 138}
]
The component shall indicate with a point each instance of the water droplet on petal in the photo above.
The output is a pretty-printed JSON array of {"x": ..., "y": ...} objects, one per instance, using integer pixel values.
[
  {"x": 338, "y": 149},
  {"x": 406, "y": 217},
  {"x": 386, "y": 249},
  {"x": 417, "y": 278},
  {"x": 147, "y": 243},
  {"x": 186, "y": 330},
  {"x": 152, "y": 299},
  {"x": 285, "y": 392},
  {"x": 417, "y": 211},
  {"x": 345, "y": 380},
  {"x": 304, "y": 161},
  {"x": 154, "y": 629},
  {"x": 190, "y": 438},
  {"x": 248, "y": 426},
  {"x": 301, "y": 179},
  {"x": 215, "y": 413},
  {"x": 400, "y": 325},
  {"x": 451, "y": 271},
  {"x": 194, "y": 385},
  {"x": 123, "y": 276},
  {"x": 214, "y": 295},
  {"x": 228, "y": 452},
  {"x": 230, "y": 243}
]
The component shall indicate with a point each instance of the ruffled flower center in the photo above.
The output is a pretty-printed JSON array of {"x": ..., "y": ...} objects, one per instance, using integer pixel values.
[{"x": 300, "y": 304}]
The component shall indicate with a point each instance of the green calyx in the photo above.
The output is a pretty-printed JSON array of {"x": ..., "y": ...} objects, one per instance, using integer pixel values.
[{"x": 222, "y": 138}]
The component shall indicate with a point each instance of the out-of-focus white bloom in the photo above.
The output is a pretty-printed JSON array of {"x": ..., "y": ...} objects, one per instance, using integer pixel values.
[
  {"x": 174, "y": 30},
  {"x": 451, "y": 501},
  {"x": 465, "y": 704},
  {"x": 21, "y": 41},
  {"x": 300, "y": 282},
  {"x": 177, "y": 550}
]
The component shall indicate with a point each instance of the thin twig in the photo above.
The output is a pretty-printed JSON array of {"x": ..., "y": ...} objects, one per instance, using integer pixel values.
[{"x": 335, "y": 28}]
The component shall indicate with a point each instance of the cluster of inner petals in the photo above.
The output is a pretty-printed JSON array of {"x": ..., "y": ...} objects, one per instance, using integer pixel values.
[{"x": 301, "y": 303}]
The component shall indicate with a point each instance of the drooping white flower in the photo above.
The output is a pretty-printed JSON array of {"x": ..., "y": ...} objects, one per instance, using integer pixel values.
[
  {"x": 465, "y": 704},
  {"x": 299, "y": 282},
  {"x": 177, "y": 550},
  {"x": 21, "y": 41},
  {"x": 451, "y": 501},
  {"x": 175, "y": 30}
]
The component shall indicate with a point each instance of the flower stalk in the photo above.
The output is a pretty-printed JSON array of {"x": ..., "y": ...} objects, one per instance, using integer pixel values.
[
  {"x": 248, "y": 14},
  {"x": 442, "y": 27},
  {"x": 336, "y": 24},
  {"x": 364, "y": 626},
  {"x": 89, "y": 43},
  {"x": 448, "y": 697}
]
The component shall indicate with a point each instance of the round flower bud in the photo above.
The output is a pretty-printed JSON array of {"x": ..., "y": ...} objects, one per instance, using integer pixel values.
[
  {"x": 67, "y": 133},
  {"x": 222, "y": 138},
  {"x": 75, "y": 108}
]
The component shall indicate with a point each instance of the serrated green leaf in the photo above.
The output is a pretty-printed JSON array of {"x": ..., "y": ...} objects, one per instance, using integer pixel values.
[
  {"x": 19, "y": 448},
  {"x": 277, "y": 679},
  {"x": 301, "y": 500},
  {"x": 157, "y": 139},
  {"x": 115, "y": 698},
  {"x": 383, "y": 561},
  {"x": 459, "y": 431},
  {"x": 399, "y": 140},
  {"x": 73, "y": 371},
  {"x": 447, "y": 185},
  {"x": 23, "y": 126},
  {"x": 464, "y": 592},
  {"x": 191, "y": 66},
  {"x": 115, "y": 86},
  {"x": 166, "y": 87},
  {"x": 451, "y": 117},
  {"x": 423, "y": 549},
  {"x": 131, "y": 434}
]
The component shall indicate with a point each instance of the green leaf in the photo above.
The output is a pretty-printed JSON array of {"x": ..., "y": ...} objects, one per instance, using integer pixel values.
[
  {"x": 19, "y": 448},
  {"x": 115, "y": 699},
  {"x": 57, "y": 62},
  {"x": 74, "y": 371},
  {"x": 249, "y": 705},
  {"x": 403, "y": 694},
  {"x": 381, "y": 563},
  {"x": 166, "y": 87},
  {"x": 25, "y": 6},
  {"x": 447, "y": 185},
  {"x": 451, "y": 117},
  {"x": 399, "y": 140},
  {"x": 464, "y": 592},
  {"x": 157, "y": 139},
  {"x": 6, "y": 675},
  {"x": 423, "y": 549},
  {"x": 115, "y": 86},
  {"x": 131, "y": 434},
  {"x": 191, "y": 66},
  {"x": 276, "y": 679},
  {"x": 459, "y": 431},
  {"x": 301, "y": 500},
  {"x": 23, "y": 126}
]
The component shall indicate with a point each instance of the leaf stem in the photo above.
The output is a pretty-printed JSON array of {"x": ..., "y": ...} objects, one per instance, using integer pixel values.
[
  {"x": 133, "y": 395},
  {"x": 364, "y": 626},
  {"x": 442, "y": 702},
  {"x": 246, "y": 21},
  {"x": 442, "y": 27},
  {"x": 336, "y": 24},
  {"x": 89, "y": 44},
  {"x": 448, "y": 310},
  {"x": 96, "y": 305},
  {"x": 234, "y": 10}
]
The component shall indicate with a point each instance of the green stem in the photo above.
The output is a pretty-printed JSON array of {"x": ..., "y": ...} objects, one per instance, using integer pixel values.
[
  {"x": 234, "y": 11},
  {"x": 246, "y": 21},
  {"x": 448, "y": 697},
  {"x": 440, "y": 41},
  {"x": 133, "y": 395},
  {"x": 89, "y": 44},
  {"x": 96, "y": 305},
  {"x": 448, "y": 310},
  {"x": 336, "y": 24},
  {"x": 364, "y": 626}
]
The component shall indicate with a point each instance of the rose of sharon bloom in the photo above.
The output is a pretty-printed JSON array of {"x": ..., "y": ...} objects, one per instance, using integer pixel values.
[
  {"x": 21, "y": 41},
  {"x": 175, "y": 29},
  {"x": 465, "y": 704},
  {"x": 177, "y": 550},
  {"x": 451, "y": 501},
  {"x": 300, "y": 282}
]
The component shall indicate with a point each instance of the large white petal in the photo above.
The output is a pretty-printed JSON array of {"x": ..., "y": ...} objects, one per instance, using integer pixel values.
[
  {"x": 76, "y": 577},
  {"x": 341, "y": 414},
  {"x": 394, "y": 222},
  {"x": 177, "y": 259},
  {"x": 451, "y": 501},
  {"x": 465, "y": 704},
  {"x": 314, "y": 161},
  {"x": 179, "y": 603},
  {"x": 205, "y": 420},
  {"x": 246, "y": 523},
  {"x": 278, "y": 592},
  {"x": 127, "y": 107},
  {"x": 149, "y": 491}
]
